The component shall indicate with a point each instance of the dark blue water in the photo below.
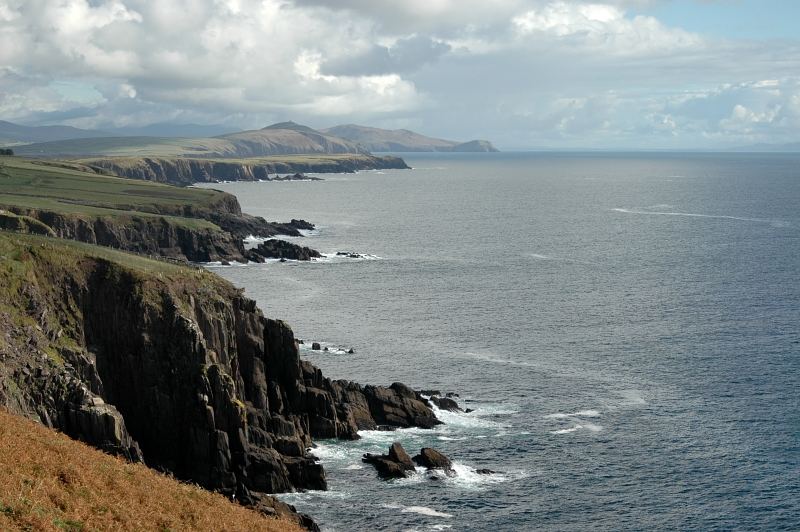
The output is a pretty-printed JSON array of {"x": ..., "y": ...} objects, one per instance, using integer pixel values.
[{"x": 627, "y": 328}]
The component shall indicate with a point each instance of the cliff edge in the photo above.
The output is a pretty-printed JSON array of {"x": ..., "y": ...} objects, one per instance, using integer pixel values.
[{"x": 175, "y": 367}]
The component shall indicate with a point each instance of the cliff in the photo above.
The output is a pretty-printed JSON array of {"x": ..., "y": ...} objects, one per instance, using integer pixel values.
[
  {"x": 184, "y": 171},
  {"x": 175, "y": 367},
  {"x": 68, "y": 200},
  {"x": 403, "y": 140}
]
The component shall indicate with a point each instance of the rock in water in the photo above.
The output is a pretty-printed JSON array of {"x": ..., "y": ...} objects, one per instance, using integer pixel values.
[
  {"x": 399, "y": 455},
  {"x": 302, "y": 224},
  {"x": 315, "y": 346},
  {"x": 445, "y": 403},
  {"x": 281, "y": 249},
  {"x": 396, "y": 464},
  {"x": 433, "y": 459}
]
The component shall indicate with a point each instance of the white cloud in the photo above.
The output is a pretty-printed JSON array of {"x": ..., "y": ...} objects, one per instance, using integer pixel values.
[{"x": 544, "y": 72}]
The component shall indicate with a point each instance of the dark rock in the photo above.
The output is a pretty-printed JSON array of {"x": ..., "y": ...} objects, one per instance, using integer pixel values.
[
  {"x": 326, "y": 349},
  {"x": 302, "y": 225},
  {"x": 396, "y": 464},
  {"x": 445, "y": 403},
  {"x": 349, "y": 254},
  {"x": 485, "y": 472},
  {"x": 430, "y": 392},
  {"x": 280, "y": 249},
  {"x": 296, "y": 177},
  {"x": 351, "y": 351},
  {"x": 386, "y": 468},
  {"x": 433, "y": 459},
  {"x": 398, "y": 454},
  {"x": 315, "y": 346},
  {"x": 469, "y": 411}
]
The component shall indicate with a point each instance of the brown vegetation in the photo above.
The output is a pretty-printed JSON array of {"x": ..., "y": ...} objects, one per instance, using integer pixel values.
[{"x": 50, "y": 482}]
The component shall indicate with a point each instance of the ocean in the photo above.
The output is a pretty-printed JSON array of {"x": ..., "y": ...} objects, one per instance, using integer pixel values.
[{"x": 626, "y": 328}]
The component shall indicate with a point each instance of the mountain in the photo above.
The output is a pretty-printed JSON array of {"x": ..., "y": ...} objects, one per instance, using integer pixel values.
[
  {"x": 289, "y": 138},
  {"x": 403, "y": 140},
  {"x": 286, "y": 138},
  {"x": 165, "y": 129},
  {"x": 11, "y": 133}
]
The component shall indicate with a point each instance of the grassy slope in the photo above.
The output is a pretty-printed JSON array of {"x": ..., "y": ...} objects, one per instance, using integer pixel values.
[
  {"x": 50, "y": 482},
  {"x": 129, "y": 147},
  {"x": 36, "y": 185},
  {"x": 273, "y": 141},
  {"x": 29, "y": 260},
  {"x": 311, "y": 158}
]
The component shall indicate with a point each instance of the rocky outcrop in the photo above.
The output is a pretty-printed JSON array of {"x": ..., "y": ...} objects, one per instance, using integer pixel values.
[
  {"x": 159, "y": 235},
  {"x": 281, "y": 249},
  {"x": 23, "y": 224},
  {"x": 178, "y": 368},
  {"x": 444, "y": 402},
  {"x": 183, "y": 171},
  {"x": 149, "y": 235},
  {"x": 295, "y": 177},
  {"x": 396, "y": 464},
  {"x": 433, "y": 459}
]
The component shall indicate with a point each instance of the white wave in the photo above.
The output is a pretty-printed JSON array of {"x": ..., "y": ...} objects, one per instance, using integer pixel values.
[
  {"x": 467, "y": 477},
  {"x": 329, "y": 257},
  {"x": 254, "y": 240},
  {"x": 332, "y": 349},
  {"x": 580, "y": 413},
  {"x": 567, "y": 431},
  {"x": 218, "y": 264},
  {"x": 499, "y": 360},
  {"x": 461, "y": 420},
  {"x": 331, "y": 452},
  {"x": 354, "y": 467},
  {"x": 633, "y": 397},
  {"x": 424, "y": 510},
  {"x": 539, "y": 256},
  {"x": 695, "y": 215},
  {"x": 591, "y": 427}
]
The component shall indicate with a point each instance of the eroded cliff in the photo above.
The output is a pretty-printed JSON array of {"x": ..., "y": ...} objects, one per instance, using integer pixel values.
[
  {"x": 185, "y": 171},
  {"x": 176, "y": 367}
]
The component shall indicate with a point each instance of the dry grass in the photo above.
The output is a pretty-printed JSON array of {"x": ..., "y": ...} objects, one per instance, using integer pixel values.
[{"x": 50, "y": 482}]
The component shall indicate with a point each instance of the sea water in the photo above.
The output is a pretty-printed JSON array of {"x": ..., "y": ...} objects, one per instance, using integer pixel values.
[{"x": 626, "y": 328}]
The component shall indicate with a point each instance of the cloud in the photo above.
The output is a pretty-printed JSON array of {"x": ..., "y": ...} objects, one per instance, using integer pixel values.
[{"x": 521, "y": 72}]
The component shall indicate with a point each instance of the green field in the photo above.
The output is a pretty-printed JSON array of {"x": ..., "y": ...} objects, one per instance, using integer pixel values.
[
  {"x": 128, "y": 147},
  {"x": 44, "y": 186},
  {"x": 267, "y": 160}
]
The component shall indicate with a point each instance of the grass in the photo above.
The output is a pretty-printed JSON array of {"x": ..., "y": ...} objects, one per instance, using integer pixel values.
[
  {"x": 41, "y": 185},
  {"x": 51, "y": 482},
  {"x": 128, "y": 146},
  {"x": 16, "y": 247},
  {"x": 311, "y": 158}
]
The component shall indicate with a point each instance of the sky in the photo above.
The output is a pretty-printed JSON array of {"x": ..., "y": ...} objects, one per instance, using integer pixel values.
[{"x": 525, "y": 74}]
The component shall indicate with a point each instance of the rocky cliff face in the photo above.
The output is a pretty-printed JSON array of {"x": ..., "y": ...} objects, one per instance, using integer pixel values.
[
  {"x": 177, "y": 368},
  {"x": 182, "y": 172},
  {"x": 142, "y": 234},
  {"x": 156, "y": 235}
]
